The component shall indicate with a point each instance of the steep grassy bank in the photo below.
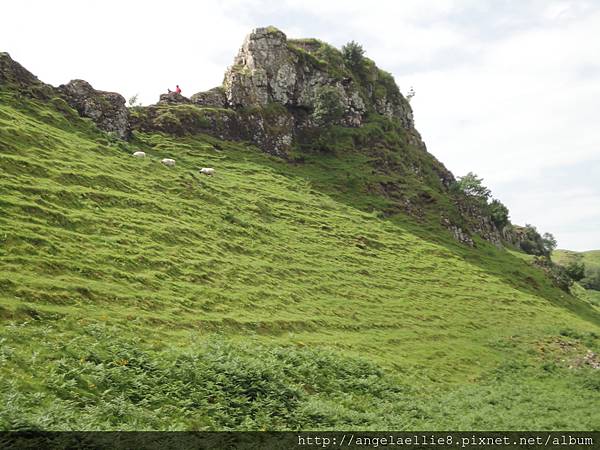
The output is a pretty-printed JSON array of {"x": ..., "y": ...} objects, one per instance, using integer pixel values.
[{"x": 269, "y": 296}]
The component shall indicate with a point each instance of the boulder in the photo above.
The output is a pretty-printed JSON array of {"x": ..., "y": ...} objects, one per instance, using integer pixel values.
[
  {"x": 106, "y": 109},
  {"x": 173, "y": 98},
  {"x": 213, "y": 98}
]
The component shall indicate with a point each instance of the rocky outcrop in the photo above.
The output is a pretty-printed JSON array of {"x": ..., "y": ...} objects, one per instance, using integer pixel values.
[
  {"x": 15, "y": 75},
  {"x": 268, "y": 69},
  {"x": 106, "y": 109},
  {"x": 173, "y": 98},
  {"x": 514, "y": 235},
  {"x": 270, "y": 129},
  {"x": 214, "y": 98},
  {"x": 458, "y": 233}
]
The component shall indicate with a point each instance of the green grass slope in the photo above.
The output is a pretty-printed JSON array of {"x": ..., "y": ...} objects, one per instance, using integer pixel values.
[
  {"x": 136, "y": 296},
  {"x": 590, "y": 258}
]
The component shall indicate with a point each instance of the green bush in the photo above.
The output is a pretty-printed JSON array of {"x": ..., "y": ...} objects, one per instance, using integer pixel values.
[
  {"x": 499, "y": 213},
  {"x": 575, "y": 270},
  {"x": 591, "y": 279},
  {"x": 353, "y": 54},
  {"x": 472, "y": 186},
  {"x": 536, "y": 244}
]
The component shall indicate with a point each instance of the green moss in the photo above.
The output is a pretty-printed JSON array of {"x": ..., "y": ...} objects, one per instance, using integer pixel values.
[
  {"x": 320, "y": 55},
  {"x": 273, "y": 30},
  {"x": 307, "y": 58}
]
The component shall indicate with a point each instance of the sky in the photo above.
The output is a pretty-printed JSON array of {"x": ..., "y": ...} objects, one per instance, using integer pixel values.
[{"x": 508, "y": 89}]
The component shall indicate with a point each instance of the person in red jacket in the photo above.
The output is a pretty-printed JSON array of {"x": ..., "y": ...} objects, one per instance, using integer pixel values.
[{"x": 178, "y": 89}]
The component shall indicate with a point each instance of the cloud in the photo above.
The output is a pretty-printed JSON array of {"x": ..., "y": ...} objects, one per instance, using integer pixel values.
[{"x": 509, "y": 90}]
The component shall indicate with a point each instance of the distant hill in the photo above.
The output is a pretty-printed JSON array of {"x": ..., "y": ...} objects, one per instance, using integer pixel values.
[
  {"x": 590, "y": 258},
  {"x": 330, "y": 281}
]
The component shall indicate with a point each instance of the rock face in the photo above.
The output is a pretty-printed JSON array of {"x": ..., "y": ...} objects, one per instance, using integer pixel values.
[
  {"x": 458, "y": 233},
  {"x": 106, "y": 109},
  {"x": 268, "y": 69},
  {"x": 14, "y": 74},
  {"x": 302, "y": 76}
]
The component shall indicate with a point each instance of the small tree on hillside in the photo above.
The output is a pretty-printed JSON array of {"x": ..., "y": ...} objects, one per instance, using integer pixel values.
[
  {"x": 499, "y": 213},
  {"x": 353, "y": 54},
  {"x": 134, "y": 101},
  {"x": 591, "y": 279},
  {"x": 473, "y": 186},
  {"x": 576, "y": 270},
  {"x": 549, "y": 242}
]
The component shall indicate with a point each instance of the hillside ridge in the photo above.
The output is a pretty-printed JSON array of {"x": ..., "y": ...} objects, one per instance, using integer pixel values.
[
  {"x": 290, "y": 97},
  {"x": 314, "y": 291}
]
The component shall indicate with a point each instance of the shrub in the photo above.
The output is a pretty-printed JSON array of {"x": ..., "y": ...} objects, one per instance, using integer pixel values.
[
  {"x": 353, "y": 54},
  {"x": 549, "y": 242},
  {"x": 472, "y": 186},
  {"x": 535, "y": 244},
  {"x": 499, "y": 213},
  {"x": 575, "y": 270},
  {"x": 530, "y": 247},
  {"x": 591, "y": 279},
  {"x": 134, "y": 101}
]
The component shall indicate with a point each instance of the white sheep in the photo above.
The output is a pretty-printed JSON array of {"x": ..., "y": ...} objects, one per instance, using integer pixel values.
[
  {"x": 139, "y": 154},
  {"x": 207, "y": 171},
  {"x": 168, "y": 162}
]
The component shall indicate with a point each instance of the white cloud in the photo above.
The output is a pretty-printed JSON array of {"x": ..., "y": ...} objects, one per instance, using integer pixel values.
[{"x": 510, "y": 90}]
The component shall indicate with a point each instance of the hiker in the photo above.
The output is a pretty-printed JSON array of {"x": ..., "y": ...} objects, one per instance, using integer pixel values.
[{"x": 177, "y": 90}]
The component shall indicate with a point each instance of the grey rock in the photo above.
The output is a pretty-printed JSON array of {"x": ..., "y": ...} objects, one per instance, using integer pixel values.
[
  {"x": 173, "y": 98},
  {"x": 14, "y": 74},
  {"x": 214, "y": 98},
  {"x": 106, "y": 109},
  {"x": 268, "y": 70}
]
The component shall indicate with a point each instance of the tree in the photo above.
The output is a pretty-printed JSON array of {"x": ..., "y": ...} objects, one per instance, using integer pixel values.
[
  {"x": 535, "y": 244},
  {"x": 473, "y": 186},
  {"x": 549, "y": 243},
  {"x": 576, "y": 270},
  {"x": 134, "y": 101},
  {"x": 499, "y": 213},
  {"x": 353, "y": 54},
  {"x": 591, "y": 279}
]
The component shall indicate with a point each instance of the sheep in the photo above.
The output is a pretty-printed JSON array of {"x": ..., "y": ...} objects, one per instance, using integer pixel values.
[
  {"x": 168, "y": 162},
  {"x": 139, "y": 154},
  {"x": 207, "y": 171}
]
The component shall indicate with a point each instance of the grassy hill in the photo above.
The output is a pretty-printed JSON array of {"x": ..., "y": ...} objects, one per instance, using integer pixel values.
[
  {"x": 270, "y": 296},
  {"x": 590, "y": 258}
]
